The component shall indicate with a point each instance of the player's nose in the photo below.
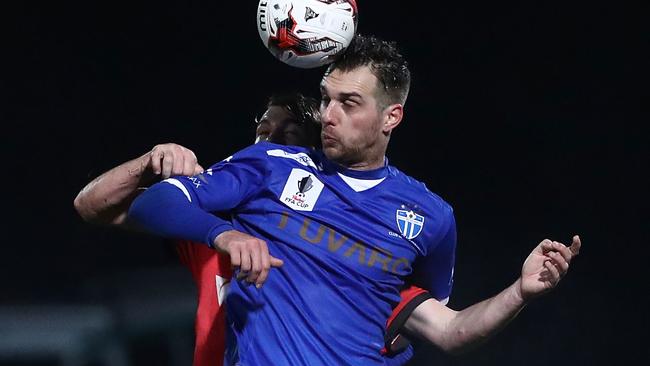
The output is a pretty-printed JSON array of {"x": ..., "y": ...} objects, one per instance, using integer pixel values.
[{"x": 328, "y": 114}]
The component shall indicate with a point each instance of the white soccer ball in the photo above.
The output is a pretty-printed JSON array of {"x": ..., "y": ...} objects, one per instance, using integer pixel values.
[{"x": 306, "y": 33}]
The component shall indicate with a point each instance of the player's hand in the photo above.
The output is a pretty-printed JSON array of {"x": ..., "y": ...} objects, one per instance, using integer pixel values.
[
  {"x": 248, "y": 253},
  {"x": 173, "y": 159},
  {"x": 545, "y": 266}
]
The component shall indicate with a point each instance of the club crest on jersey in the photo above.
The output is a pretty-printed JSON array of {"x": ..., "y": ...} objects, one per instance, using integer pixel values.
[
  {"x": 301, "y": 190},
  {"x": 409, "y": 223}
]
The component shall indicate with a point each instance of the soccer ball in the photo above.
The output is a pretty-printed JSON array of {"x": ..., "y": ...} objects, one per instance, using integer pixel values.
[{"x": 306, "y": 33}]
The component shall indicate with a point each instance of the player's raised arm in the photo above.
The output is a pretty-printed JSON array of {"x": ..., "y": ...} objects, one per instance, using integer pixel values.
[
  {"x": 107, "y": 198},
  {"x": 182, "y": 207},
  {"x": 459, "y": 331}
]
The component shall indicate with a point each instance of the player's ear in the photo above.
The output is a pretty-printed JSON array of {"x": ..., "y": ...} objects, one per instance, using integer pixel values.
[{"x": 392, "y": 117}]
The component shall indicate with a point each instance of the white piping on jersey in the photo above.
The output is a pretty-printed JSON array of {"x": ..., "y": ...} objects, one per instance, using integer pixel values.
[
  {"x": 360, "y": 185},
  {"x": 302, "y": 158},
  {"x": 414, "y": 245},
  {"x": 179, "y": 185},
  {"x": 444, "y": 301}
]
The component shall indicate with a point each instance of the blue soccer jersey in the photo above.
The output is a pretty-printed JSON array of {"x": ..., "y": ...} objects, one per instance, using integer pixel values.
[{"x": 347, "y": 238}]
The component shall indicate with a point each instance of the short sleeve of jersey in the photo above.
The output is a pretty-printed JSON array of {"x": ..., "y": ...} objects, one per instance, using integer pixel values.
[
  {"x": 435, "y": 271},
  {"x": 229, "y": 183}
]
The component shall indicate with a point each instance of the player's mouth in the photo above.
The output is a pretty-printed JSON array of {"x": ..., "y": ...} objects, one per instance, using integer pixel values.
[{"x": 328, "y": 139}]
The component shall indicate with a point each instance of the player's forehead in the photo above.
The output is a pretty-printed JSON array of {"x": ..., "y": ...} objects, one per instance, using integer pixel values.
[
  {"x": 277, "y": 114},
  {"x": 356, "y": 81}
]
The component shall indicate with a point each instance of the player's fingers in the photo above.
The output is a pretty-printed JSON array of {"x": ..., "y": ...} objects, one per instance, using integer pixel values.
[
  {"x": 178, "y": 165},
  {"x": 188, "y": 165},
  {"x": 193, "y": 166},
  {"x": 156, "y": 157},
  {"x": 575, "y": 245},
  {"x": 245, "y": 265},
  {"x": 546, "y": 245},
  {"x": 563, "y": 250},
  {"x": 276, "y": 262},
  {"x": 559, "y": 261},
  {"x": 266, "y": 267},
  {"x": 198, "y": 169},
  {"x": 553, "y": 271},
  {"x": 256, "y": 264},
  {"x": 235, "y": 258},
  {"x": 167, "y": 164}
]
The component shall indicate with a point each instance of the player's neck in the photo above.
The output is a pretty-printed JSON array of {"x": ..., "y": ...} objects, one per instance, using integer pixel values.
[
  {"x": 374, "y": 158},
  {"x": 370, "y": 165}
]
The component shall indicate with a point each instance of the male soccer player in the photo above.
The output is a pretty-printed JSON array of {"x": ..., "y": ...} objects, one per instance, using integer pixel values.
[
  {"x": 344, "y": 229},
  {"x": 291, "y": 119}
]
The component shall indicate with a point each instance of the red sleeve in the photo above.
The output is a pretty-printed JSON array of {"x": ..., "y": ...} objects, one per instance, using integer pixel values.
[
  {"x": 411, "y": 298},
  {"x": 211, "y": 272}
]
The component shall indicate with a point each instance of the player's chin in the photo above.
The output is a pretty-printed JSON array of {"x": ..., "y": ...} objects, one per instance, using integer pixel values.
[{"x": 331, "y": 150}]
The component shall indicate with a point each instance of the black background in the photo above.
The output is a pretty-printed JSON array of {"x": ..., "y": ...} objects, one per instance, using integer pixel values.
[{"x": 525, "y": 117}]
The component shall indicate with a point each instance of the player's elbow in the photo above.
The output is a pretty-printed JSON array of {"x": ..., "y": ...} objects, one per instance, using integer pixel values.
[
  {"x": 462, "y": 340},
  {"x": 456, "y": 344},
  {"x": 82, "y": 207},
  {"x": 457, "y": 338},
  {"x": 89, "y": 210}
]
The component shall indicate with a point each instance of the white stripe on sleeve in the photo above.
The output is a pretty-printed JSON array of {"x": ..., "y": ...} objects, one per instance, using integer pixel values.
[{"x": 175, "y": 182}]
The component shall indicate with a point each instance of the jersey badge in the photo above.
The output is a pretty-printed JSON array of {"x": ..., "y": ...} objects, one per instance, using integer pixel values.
[
  {"x": 409, "y": 223},
  {"x": 301, "y": 190}
]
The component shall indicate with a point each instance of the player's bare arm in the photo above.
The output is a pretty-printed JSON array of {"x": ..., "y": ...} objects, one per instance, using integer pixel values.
[
  {"x": 106, "y": 199},
  {"x": 460, "y": 331}
]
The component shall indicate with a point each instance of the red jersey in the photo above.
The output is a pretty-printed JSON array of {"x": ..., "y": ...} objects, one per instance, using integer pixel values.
[{"x": 212, "y": 272}]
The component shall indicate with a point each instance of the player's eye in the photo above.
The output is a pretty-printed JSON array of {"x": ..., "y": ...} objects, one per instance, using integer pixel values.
[{"x": 291, "y": 133}]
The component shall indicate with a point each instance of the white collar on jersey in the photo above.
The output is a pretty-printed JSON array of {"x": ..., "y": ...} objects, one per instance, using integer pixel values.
[{"x": 360, "y": 185}]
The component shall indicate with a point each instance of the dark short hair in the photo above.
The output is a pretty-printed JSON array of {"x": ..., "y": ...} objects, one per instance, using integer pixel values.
[
  {"x": 385, "y": 62},
  {"x": 305, "y": 109}
]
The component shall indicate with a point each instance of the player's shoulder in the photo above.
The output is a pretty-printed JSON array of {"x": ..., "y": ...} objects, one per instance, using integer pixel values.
[
  {"x": 267, "y": 151},
  {"x": 419, "y": 189},
  {"x": 265, "y": 146},
  {"x": 289, "y": 154},
  {"x": 272, "y": 149}
]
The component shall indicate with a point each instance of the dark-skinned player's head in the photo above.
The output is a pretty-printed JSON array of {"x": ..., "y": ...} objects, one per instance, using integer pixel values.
[{"x": 290, "y": 119}]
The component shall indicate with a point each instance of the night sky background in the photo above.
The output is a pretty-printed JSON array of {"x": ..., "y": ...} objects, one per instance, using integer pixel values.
[{"x": 525, "y": 117}]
